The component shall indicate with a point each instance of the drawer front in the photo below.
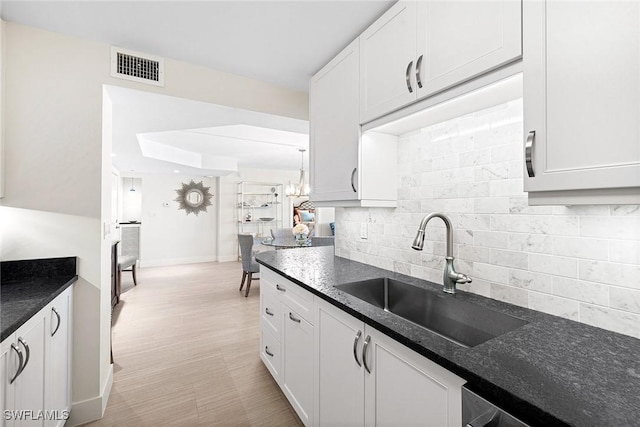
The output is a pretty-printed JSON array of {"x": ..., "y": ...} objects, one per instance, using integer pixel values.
[
  {"x": 298, "y": 299},
  {"x": 270, "y": 353},
  {"x": 270, "y": 311}
]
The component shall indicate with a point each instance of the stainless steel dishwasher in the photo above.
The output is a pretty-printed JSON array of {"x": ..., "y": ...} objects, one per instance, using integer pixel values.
[{"x": 478, "y": 412}]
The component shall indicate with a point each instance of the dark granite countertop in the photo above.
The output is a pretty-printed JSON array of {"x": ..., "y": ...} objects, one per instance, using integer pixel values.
[
  {"x": 28, "y": 286},
  {"x": 552, "y": 371}
]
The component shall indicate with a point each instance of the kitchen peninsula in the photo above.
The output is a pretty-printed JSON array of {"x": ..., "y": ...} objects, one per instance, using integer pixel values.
[{"x": 551, "y": 371}]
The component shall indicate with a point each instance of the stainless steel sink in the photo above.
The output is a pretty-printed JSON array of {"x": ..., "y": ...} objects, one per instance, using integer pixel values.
[{"x": 462, "y": 322}]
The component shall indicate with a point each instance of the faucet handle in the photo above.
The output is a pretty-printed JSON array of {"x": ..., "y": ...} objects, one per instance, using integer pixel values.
[{"x": 462, "y": 278}]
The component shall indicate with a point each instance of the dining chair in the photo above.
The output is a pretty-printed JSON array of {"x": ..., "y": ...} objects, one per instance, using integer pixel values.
[
  {"x": 278, "y": 233},
  {"x": 128, "y": 258},
  {"x": 249, "y": 264}
]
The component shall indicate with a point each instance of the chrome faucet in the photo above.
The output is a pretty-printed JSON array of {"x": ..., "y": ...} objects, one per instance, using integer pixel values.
[{"x": 451, "y": 277}]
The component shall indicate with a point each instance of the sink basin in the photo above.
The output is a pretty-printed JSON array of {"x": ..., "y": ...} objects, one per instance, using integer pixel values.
[{"x": 464, "y": 323}]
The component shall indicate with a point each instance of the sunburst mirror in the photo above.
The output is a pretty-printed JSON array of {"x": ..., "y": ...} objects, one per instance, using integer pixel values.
[{"x": 194, "y": 198}]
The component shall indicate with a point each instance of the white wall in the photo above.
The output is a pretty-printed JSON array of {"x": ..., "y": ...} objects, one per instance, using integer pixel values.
[
  {"x": 168, "y": 235},
  {"x": 59, "y": 162},
  {"x": 580, "y": 262},
  {"x": 131, "y": 200},
  {"x": 228, "y": 190}
]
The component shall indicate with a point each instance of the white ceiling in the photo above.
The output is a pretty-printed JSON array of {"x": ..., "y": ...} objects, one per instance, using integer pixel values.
[
  {"x": 282, "y": 42},
  {"x": 159, "y": 134}
]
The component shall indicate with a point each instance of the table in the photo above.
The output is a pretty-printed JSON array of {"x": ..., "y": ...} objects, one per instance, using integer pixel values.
[{"x": 287, "y": 242}]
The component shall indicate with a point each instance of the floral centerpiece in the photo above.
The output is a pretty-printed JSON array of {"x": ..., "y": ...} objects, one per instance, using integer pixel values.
[{"x": 300, "y": 232}]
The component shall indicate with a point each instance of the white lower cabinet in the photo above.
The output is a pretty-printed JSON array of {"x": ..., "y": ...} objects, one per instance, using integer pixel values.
[
  {"x": 24, "y": 382},
  {"x": 35, "y": 374},
  {"x": 57, "y": 396},
  {"x": 366, "y": 378},
  {"x": 337, "y": 371},
  {"x": 286, "y": 343},
  {"x": 297, "y": 364},
  {"x": 404, "y": 388}
]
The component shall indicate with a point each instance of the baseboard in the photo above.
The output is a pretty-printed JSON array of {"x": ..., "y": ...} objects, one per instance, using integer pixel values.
[
  {"x": 176, "y": 261},
  {"x": 91, "y": 409},
  {"x": 228, "y": 258}
]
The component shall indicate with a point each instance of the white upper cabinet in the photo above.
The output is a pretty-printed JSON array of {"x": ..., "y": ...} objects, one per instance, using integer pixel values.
[
  {"x": 334, "y": 127},
  {"x": 417, "y": 49},
  {"x": 582, "y": 102},
  {"x": 459, "y": 40},
  {"x": 387, "y": 62},
  {"x": 347, "y": 169}
]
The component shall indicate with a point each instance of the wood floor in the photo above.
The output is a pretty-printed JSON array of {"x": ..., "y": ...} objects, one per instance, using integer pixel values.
[{"x": 185, "y": 347}]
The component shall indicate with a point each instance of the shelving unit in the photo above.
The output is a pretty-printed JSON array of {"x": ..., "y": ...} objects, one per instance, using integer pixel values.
[{"x": 259, "y": 207}]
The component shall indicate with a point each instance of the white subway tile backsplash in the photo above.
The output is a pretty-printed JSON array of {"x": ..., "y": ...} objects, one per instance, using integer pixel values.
[
  {"x": 627, "y": 275},
  {"x": 608, "y": 318},
  {"x": 578, "y": 262},
  {"x": 474, "y": 158},
  {"x": 491, "y": 172},
  {"x": 611, "y": 227},
  {"x": 491, "y": 205},
  {"x": 520, "y": 205},
  {"x": 473, "y": 253},
  {"x": 506, "y": 153},
  {"x": 509, "y": 258},
  {"x": 559, "y": 266},
  {"x": 533, "y": 281},
  {"x": 491, "y": 239},
  {"x": 510, "y": 294},
  {"x": 594, "y": 293},
  {"x": 490, "y": 272},
  {"x": 581, "y": 248},
  {"x": 625, "y": 299},
  {"x": 625, "y": 251},
  {"x": 540, "y": 243},
  {"x": 505, "y": 187},
  {"x": 625, "y": 210},
  {"x": 555, "y": 305}
]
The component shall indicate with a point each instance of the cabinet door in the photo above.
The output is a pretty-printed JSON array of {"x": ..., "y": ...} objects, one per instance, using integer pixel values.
[
  {"x": 458, "y": 40},
  {"x": 339, "y": 375},
  {"x": 270, "y": 353},
  {"x": 387, "y": 62},
  {"x": 29, "y": 386},
  {"x": 405, "y": 388},
  {"x": 334, "y": 113},
  {"x": 582, "y": 94},
  {"x": 58, "y": 366},
  {"x": 8, "y": 368},
  {"x": 297, "y": 364}
]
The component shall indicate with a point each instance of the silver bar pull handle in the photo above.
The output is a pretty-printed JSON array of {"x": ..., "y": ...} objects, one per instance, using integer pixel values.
[
  {"x": 364, "y": 353},
  {"x": 280, "y": 288},
  {"x": 27, "y": 351},
  {"x": 418, "y": 66},
  {"x": 266, "y": 310},
  {"x": 294, "y": 318},
  {"x": 20, "y": 361},
  {"x": 353, "y": 176},
  {"x": 528, "y": 153},
  {"x": 407, "y": 75},
  {"x": 266, "y": 350},
  {"x": 355, "y": 347},
  {"x": 59, "y": 321}
]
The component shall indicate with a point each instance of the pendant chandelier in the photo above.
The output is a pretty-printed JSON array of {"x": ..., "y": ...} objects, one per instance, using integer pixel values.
[{"x": 302, "y": 189}]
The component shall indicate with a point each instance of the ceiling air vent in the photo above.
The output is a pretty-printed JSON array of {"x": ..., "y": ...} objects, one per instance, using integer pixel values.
[{"x": 138, "y": 67}]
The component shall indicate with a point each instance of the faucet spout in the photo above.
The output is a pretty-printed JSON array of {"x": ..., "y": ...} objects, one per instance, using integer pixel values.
[
  {"x": 451, "y": 277},
  {"x": 418, "y": 242}
]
